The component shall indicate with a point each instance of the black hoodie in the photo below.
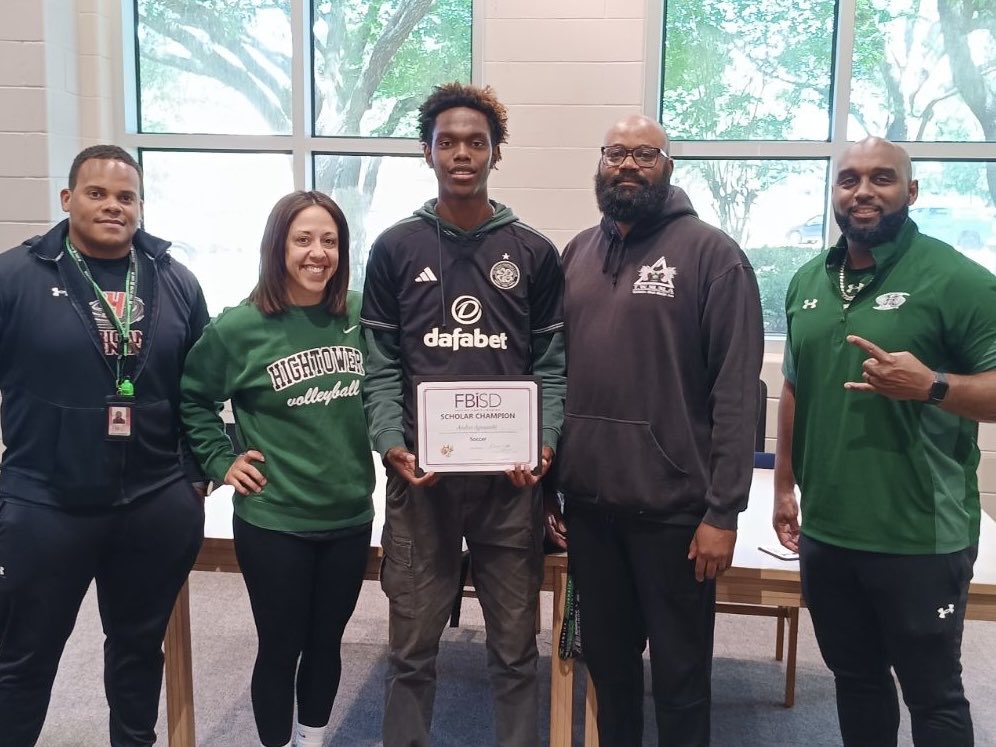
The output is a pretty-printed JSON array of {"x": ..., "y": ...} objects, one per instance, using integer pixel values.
[
  {"x": 55, "y": 378},
  {"x": 664, "y": 348}
]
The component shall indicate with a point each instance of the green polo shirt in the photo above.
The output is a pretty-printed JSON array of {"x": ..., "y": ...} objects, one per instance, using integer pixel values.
[{"x": 878, "y": 474}]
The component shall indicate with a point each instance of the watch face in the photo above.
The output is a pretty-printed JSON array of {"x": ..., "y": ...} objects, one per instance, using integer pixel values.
[{"x": 938, "y": 389}]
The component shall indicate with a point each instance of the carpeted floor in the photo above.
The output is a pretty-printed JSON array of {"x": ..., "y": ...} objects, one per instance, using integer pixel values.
[{"x": 747, "y": 682}]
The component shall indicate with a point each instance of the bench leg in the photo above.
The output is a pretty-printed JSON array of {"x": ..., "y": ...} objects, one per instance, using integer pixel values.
[
  {"x": 561, "y": 672},
  {"x": 179, "y": 674},
  {"x": 793, "y": 644},
  {"x": 780, "y": 633}
]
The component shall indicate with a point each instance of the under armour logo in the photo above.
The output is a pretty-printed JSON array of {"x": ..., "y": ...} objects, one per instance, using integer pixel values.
[
  {"x": 2, "y": 569},
  {"x": 56, "y": 292},
  {"x": 809, "y": 303},
  {"x": 943, "y": 612},
  {"x": 853, "y": 288}
]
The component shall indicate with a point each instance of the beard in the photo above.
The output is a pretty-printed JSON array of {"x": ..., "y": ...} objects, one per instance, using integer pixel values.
[
  {"x": 889, "y": 225},
  {"x": 629, "y": 205}
]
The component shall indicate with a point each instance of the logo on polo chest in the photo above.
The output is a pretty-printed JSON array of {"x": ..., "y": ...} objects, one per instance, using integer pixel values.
[
  {"x": 656, "y": 279},
  {"x": 889, "y": 301}
]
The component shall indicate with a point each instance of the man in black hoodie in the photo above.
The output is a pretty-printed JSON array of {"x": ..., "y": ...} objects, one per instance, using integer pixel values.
[
  {"x": 461, "y": 261},
  {"x": 664, "y": 342},
  {"x": 95, "y": 323}
]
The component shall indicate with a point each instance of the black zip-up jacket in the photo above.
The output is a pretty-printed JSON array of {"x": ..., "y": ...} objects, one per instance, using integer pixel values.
[
  {"x": 55, "y": 379},
  {"x": 664, "y": 348}
]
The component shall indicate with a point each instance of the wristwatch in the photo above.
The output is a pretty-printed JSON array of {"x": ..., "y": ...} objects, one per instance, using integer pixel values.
[{"x": 938, "y": 390}]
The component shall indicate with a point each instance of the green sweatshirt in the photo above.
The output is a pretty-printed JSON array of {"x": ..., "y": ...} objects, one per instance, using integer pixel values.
[{"x": 294, "y": 381}]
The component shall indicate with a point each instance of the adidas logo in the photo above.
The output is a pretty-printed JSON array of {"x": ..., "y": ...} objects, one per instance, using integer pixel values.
[{"x": 426, "y": 276}]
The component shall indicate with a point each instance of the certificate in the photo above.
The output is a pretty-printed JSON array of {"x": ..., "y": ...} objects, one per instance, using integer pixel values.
[{"x": 477, "y": 424}]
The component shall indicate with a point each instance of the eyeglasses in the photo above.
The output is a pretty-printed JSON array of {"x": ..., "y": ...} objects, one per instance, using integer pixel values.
[{"x": 645, "y": 155}]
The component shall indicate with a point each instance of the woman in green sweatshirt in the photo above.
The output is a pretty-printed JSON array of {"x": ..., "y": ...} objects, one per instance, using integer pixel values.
[{"x": 291, "y": 360}]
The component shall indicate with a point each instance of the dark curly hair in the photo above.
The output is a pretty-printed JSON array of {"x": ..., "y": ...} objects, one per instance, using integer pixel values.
[{"x": 456, "y": 94}]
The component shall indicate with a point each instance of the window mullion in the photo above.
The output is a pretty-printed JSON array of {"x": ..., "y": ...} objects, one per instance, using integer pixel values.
[{"x": 302, "y": 71}]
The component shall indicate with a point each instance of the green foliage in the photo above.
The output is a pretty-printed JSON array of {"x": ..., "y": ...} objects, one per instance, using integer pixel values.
[
  {"x": 904, "y": 65},
  {"x": 437, "y": 51},
  {"x": 774, "y": 267},
  {"x": 374, "y": 59},
  {"x": 739, "y": 70},
  {"x": 964, "y": 178}
]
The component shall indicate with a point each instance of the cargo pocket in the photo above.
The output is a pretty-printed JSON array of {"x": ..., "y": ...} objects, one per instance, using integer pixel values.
[{"x": 397, "y": 577}]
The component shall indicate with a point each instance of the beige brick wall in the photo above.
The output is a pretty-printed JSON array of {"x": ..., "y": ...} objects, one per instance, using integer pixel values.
[{"x": 24, "y": 173}]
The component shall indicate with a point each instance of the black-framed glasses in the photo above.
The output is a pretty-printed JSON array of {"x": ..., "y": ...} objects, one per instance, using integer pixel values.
[{"x": 645, "y": 155}]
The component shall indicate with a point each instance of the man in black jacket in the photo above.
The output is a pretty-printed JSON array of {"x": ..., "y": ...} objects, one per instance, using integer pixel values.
[
  {"x": 664, "y": 342},
  {"x": 95, "y": 323}
]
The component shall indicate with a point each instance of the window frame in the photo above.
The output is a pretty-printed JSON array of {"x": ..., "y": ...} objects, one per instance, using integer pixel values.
[{"x": 301, "y": 143}]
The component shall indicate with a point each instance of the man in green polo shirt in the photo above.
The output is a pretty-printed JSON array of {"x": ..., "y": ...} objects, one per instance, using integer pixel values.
[{"x": 890, "y": 363}]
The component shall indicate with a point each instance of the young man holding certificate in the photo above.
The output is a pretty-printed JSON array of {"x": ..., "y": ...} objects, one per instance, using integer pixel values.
[{"x": 461, "y": 289}]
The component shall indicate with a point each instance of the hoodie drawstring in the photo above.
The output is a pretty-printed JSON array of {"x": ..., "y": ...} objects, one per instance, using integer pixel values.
[
  {"x": 616, "y": 248},
  {"x": 442, "y": 290}
]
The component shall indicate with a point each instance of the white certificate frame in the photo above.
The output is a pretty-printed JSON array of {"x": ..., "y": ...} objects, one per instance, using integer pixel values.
[{"x": 491, "y": 424}]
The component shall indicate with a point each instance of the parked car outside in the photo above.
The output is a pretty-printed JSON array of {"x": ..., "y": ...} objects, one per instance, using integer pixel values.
[
  {"x": 810, "y": 232},
  {"x": 965, "y": 228}
]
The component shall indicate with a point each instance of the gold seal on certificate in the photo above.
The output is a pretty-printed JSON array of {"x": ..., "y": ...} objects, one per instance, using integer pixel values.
[{"x": 476, "y": 424}]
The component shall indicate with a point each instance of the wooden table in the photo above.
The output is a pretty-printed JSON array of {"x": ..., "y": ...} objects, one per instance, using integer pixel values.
[{"x": 757, "y": 584}]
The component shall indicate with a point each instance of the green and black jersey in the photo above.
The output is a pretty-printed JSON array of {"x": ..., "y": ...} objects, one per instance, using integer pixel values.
[
  {"x": 294, "y": 381},
  {"x": 878, "y": 474},
  {"x": 439, "y": 301}
]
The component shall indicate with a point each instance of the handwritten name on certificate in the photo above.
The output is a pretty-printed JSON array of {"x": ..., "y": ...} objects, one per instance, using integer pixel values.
[{"x": 478, "y": 425}]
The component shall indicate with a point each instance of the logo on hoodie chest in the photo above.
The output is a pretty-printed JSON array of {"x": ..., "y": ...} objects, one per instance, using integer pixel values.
[
  {"x": 466, "y": 311},
  {"x": 505, "y": 273},
  {"x": 656, "y": 279}
]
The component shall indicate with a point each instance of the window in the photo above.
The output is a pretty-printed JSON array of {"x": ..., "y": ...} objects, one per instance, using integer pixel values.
[
  {"x": 760, "y": 98},
  {"x": 238, "y": 102},
  {"x": 922, "y": 70},
  {"x": 748, "y": 198},
  {"x": 213, "y": 206}
]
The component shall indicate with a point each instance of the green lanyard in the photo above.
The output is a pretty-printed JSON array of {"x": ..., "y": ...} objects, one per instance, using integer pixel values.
[{"x": 124, "y": 385}]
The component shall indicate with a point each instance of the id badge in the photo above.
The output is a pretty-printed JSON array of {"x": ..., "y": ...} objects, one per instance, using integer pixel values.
[{"x": 120, "y": 414}]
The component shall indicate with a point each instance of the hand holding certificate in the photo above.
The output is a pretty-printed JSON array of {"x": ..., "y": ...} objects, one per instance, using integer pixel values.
[{"x": 477, "y": 425}]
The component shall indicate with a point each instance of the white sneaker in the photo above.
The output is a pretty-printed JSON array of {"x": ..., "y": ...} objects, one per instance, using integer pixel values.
[{"x": 308, "y": 736}]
